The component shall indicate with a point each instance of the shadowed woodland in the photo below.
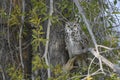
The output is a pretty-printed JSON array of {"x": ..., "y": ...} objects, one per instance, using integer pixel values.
[{"x": 59, "y": 40}]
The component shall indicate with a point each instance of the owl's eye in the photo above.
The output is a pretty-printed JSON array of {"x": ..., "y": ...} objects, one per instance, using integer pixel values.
[
  {"x": 68, "y": 26},
  {"x": 75, "y": 25}
]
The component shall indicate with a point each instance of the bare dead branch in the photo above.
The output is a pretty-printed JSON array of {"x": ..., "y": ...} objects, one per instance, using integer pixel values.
[
  {"x": 114, "y": 67},
  {"x": 95, "y": 51}
]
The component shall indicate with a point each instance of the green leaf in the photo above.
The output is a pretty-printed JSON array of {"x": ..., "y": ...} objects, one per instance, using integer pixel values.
[
  {"x": 115, "y": 2},
  {"x": 34, "y": 36},
  {"x": 45, "y": 18}
]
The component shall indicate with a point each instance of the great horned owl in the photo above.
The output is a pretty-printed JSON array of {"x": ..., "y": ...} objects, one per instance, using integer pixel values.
[{"x": 75, "y": 39}]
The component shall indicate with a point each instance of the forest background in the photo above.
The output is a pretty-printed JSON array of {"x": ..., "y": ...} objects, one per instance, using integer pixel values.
[{"x": 33, "y": 40}]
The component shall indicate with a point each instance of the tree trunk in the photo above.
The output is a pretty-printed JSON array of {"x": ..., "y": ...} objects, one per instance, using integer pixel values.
[
  {"x": 27, "y": 52},
  {"x": 57, "y": 52}
]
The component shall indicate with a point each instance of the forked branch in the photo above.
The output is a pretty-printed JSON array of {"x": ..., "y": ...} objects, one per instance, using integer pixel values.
[
  {"x": 114, "y": 67},
  {"x": 95, "y": 50}
]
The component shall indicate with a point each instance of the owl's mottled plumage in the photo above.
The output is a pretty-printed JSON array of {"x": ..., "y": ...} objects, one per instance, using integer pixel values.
[{"x": 75, "y": 39}]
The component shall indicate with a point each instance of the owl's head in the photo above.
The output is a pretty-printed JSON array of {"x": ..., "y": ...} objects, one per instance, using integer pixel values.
[{"x": 72, "y": 26}]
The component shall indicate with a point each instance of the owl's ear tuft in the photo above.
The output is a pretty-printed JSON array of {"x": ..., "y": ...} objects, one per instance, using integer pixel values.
[{"x": 67, "y": 23}]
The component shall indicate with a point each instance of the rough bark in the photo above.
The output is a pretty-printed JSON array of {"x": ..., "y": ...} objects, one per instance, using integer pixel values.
[
  {"x": 57, "y": 46},
  {"x": 9, "y": 45},
  {"x": 27, "y": 53},
  {"x": 56, "y": 52}
]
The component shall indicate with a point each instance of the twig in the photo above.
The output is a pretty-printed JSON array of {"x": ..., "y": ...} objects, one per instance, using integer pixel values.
[
  {"x": 20, "y": 35},
  {"x": 20, "y": 48},
  {"x": 108, "y": 49},
  {"x": 47, "y": 37},
  {"x": 105, "y": 47},
  {"x": 3, "y": 73},
  {"x": 15, "y": 71},
  {"x": 96, "y": 72},
  {"x": 90, "y": 65}
]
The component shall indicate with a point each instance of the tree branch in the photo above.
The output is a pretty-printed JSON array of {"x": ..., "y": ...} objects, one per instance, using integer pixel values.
[
  {"x": 20, "y": 35},
  {"x": 47, "y": 37},
  {"x": 114, "y": 67},
  {"x": 86, "y": 21},
  {"x": 89, "y": 29}
]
